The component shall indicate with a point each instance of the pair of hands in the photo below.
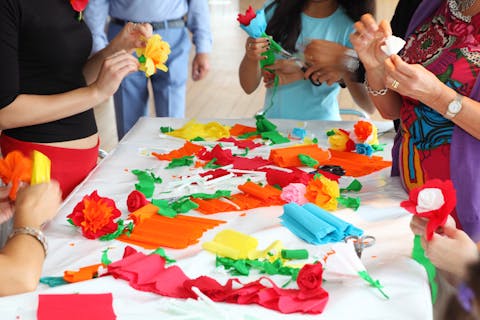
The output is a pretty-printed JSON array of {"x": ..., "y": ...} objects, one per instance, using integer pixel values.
[
  {"x": 414, "y": 80},
  {"x": 323, "y": 58},
  {"x": 450, "y": 249},
  {"x": 34, "y": 205}
]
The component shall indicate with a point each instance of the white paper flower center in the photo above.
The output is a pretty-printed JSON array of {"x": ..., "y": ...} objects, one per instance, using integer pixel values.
[{"x": 430, "y": 199}]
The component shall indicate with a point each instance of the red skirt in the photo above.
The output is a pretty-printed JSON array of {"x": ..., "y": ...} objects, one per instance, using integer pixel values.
[{"x": 69, "y": 166}]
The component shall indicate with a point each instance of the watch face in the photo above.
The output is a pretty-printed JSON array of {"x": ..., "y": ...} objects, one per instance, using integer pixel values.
[{"x": 454, "y": 106}]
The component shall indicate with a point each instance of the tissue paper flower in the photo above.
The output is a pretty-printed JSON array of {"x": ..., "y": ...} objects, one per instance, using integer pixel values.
[
  {"x": 339, "y": 140},
  {"x": 392, "y": 45},
  {"x": 294, "y": 192},
  {"x": 15, "y": 168},
  {"x": 136, "y": 200},
  {"x": 154, "y": 55},
  {"x": 310, "y": 277},
  {"x": 323, "y": 192},
  {"x": 435, "y": 200},
  {"x": 95, "y": 215},
  {"x": 364, "y": 132},
  {"x": 253, "y": 23}
]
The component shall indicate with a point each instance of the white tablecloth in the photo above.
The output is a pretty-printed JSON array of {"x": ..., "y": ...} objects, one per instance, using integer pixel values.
[{"x": 379, "y": 215}]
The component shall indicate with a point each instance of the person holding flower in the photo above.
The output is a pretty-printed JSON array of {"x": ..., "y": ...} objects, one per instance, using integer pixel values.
[
  {"x": 293, "y": 24},
  {"x": 49, "y": 84},
  {"x": 433, "y": 88},
  {"x": 21, "y": 258}
]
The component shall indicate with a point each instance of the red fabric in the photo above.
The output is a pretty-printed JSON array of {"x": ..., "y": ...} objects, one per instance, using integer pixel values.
[
  {"x": 69, "y": 166},
  {"x": 75, "y": 307}
]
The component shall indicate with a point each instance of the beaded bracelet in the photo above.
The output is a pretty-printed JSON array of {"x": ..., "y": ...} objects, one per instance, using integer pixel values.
[
  {"x": 373, "y": 92},
  {"x": 36, "y": 233}
]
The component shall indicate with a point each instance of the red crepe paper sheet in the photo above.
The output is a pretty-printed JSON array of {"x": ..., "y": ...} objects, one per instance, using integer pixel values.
[
  {"x": 75, "y": 307},
  {"x": 288, "y": 157},
  {"x": 152, "y": 230},
  {"x": 188, "y": 149},
  {"x": 242, "y": 143},
  {"x": 356, "y": 165},
  {"x": 437, "y": 217},
  {"x": 148, "y": 273},
  {"x": 225, "y": 157},
  {"x": 243, "y": 163},
  {"x": 283, "y": 179}
]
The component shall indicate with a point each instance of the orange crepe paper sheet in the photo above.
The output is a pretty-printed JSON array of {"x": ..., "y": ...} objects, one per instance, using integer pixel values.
[
  {"x": 84, "y": 273},
  {"x": 267, "y": 194},
  {"x": 15, "y": 168},
  {"x": 288, "y": 157},
  {"x": 152, "y": 230},
  {"x": 211, "y": 206},
  {"x": 239, "y": 129},
  {"x": 188, "y": 149},
  {"x": 356, "y": 165}
]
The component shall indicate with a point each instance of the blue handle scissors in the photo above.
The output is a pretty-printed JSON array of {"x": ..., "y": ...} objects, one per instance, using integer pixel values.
[{"x": 360, "y": 243}]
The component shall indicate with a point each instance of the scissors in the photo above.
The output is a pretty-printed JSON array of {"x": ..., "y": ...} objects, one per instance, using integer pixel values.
[
  {"x": 289, "y": 56},
  {"x": 360, "y": 243}
]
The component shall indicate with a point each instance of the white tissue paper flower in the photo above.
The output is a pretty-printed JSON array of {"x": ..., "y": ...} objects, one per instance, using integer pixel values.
[
  {"x": 430, "y": 199},
  {"x": 392, "y": 45}
]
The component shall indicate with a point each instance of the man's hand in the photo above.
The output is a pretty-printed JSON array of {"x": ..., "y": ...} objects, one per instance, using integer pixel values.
[{"x": 200, "y": 66}]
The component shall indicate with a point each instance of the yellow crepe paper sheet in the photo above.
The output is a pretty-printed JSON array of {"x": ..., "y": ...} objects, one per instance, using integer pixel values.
[
  {"x": 40, "y": 168},
  {"x": 192, "y": 129}
]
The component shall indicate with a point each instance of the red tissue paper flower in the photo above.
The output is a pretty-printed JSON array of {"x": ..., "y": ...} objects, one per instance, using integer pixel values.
[
  {"x": 435, "y": 200},
  {"x": 136, "y": 200},
  {"x": 249, "y": 15},
  {"x": 79, "y": 5},
  {"x": 95, "y": 215},
  {"x": 309, "y": 279}
]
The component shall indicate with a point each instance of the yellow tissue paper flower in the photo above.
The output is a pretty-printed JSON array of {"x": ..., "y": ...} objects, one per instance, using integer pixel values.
[
  {"x": 154, "y": 55},
  {"x": 323, "y": 192}
]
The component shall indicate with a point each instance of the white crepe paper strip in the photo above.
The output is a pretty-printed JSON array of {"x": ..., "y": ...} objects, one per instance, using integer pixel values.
[
  {"x": 223, "y": 199},
  {"x": 392, "y": 45},
  {"x": 429, "y": 199},
  {"x": 269, "y": 166}
]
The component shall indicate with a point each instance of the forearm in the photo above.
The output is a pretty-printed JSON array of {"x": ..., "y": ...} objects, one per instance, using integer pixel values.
[
  {"x": 250, "y": 75},
  {"x": 37, "y": 109},
  {"x": 21, "y": 263},
  {"x": 359, "y": 95},
  {"x": 388, "y": 104}
]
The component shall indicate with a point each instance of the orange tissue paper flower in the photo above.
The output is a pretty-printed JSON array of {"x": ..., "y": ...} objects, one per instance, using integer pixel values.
[
  {"x": 364, "y": 132},
  {"x": 15, "y": 168},
  {"x": 95, "y": 215},
  {"x": 323, "y": 192},
  {"x": 154, "y": 55}
]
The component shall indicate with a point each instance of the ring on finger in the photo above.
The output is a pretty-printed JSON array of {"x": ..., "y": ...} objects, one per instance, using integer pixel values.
[{"x": 395, "y": 84}]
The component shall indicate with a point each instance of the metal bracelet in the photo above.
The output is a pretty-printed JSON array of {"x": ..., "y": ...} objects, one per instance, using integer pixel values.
[
  {"x": 36, "y": 233},
  {"x": 373, "y": 92}
]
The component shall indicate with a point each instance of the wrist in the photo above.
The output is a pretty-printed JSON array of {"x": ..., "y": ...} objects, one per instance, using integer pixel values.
[{"x": 35, "y": 233}]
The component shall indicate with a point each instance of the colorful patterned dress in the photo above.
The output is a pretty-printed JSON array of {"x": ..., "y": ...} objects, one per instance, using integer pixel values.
[{"x": 450, "y": 48}]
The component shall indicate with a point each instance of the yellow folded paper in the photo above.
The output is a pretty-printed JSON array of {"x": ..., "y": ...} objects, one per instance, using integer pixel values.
[
  {"x": 40, "y": 168},
  {"x": 231, "y": 244}
]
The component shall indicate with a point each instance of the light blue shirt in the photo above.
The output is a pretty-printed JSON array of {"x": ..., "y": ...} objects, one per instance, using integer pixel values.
[
  {"x": 197, "y": 12},
  {"x": 301, "y": 99}
]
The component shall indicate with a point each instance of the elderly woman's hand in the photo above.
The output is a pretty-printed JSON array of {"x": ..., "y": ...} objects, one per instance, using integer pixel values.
[
  {"x": 412, "y": 80},
  {"x": 367, "y": 40}
]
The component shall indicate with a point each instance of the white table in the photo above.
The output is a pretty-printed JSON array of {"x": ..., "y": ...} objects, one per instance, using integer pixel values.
[{"x": 379, "y": 215}]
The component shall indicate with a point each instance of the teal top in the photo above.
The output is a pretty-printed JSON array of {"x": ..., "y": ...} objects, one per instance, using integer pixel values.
[{"x": 301, "y": 99}]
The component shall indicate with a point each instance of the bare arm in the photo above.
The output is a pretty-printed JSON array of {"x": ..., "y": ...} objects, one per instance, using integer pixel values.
[
  {"x": 249, "y": 71},
  {"x": 359, "y": 95},
  {"x": 22, "y": 257}
]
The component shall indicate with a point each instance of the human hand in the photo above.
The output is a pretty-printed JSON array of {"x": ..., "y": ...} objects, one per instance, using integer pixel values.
[
  {"x": 200, "y": 66},
  {"x": 328, "y": 75},
  {"x": 6, "y": 206},
  {"x": 255, "y": 47},
  {"x": 323, "y": 53},
  {"x": 37, "y": 204},
  {"x": 367, "y": 40},
  {"x": 132, "y": 36},
  {"x": 412, "y": 80},
  {"x": 113, "y": 70},
  {"x": 453, "y": 251},
  {"x": 419, "y": 225},
  {"x": 287, "y": 72}
]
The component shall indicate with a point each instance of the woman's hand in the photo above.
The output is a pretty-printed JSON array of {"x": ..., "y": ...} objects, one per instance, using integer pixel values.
[
  {"x": 132, "y": 36},
  {"x": 6, "y": 206},
  {"x": 287, "y": 71},
  {"x": 328, "y": 75},
  {"x": 367, "y": 40},
  {"x": 113, "y": 70},
  {"x": 37, "y": 204},
  {"x": 255, "y": 47},
  {"x": 322, "y": 53},
  {"x": 412, "y": 80}
]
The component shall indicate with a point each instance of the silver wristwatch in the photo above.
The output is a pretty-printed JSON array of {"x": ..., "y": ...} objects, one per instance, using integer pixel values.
[{"x": 454, "y": 107}]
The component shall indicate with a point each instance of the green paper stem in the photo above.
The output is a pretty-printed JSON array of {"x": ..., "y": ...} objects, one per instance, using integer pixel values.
[
  {"x": 115, "y": 234},
  {"x": 298, "y": 254},
  {"x": 355, "y": 186},
  {"x": 161, "y": 253},
  {"x": 165, "y": 129},
  {"x": 105, "y": 260},
  {"x": 180, "y": 162},
  {"x": 164, "y": 208},
  {"x": 349, "y": 202},
  {"x": 308, "y": 161},
  {"x": 374, "y": 283},
  {"x": 216, "y": 195},
  {"x": 418, "y": 254}
]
